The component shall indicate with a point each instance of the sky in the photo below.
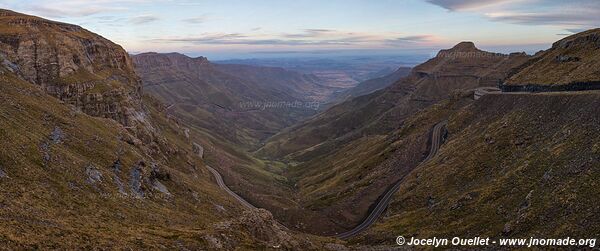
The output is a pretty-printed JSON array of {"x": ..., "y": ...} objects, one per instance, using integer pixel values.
[{"x": 222, "y": 29}]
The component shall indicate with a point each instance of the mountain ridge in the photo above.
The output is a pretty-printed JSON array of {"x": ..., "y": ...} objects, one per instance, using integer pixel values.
[
  {"x": 569, "y": 60},
  {"x": 228, "y": 99}
]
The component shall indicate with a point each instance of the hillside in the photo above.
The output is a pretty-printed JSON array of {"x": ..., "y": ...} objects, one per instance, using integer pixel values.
[
  {"x": 302, "y": 87},
  {"x": 572, "y": 60},
  {"x": 460, "y": 68},
  {"x": 513, "y": 166},
  {"x": 240, "y": 104},
  {"x": 89, "y": 161},
  {"x": 339, "y": 157}
]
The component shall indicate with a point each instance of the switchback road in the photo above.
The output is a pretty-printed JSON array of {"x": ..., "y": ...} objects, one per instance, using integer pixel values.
[{"x": 436, "y": 140}]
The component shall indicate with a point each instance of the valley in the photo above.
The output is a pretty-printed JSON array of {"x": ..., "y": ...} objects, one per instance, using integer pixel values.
[{"x": 104, "y": 148}]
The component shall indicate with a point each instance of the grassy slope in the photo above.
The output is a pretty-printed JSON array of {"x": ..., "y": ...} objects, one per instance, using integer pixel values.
[
  {"x": 580, "y": 60},
  {"x": 514, "y": 166},
  {"x": 51, "y": 203},
  {"x": 343, "y": 185}
]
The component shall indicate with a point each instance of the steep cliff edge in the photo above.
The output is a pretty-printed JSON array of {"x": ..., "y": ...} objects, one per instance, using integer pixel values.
[{"x": 72, "y": 64}]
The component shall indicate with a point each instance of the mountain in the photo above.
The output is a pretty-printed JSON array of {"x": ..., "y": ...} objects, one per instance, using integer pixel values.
[
  {"x": 89, "y": 161},
  {"x": 372, "y": 85},
  {"x": 463, "y": 67},
  {"x": 303, "y": 87},
  {"x": 342, "y": 159},
  {"x": 337, "y": 71},
  {"x": 72, "y": 64},
  {"x": 241, "y": 104},
  {"x": 510, "y": 163},
  {"x": 570, "y": 61}
]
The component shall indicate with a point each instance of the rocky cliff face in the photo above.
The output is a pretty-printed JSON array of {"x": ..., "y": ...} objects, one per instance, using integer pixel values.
[
  {"x": 168, "y": 61},
  {"x": 72, "y": 64}
]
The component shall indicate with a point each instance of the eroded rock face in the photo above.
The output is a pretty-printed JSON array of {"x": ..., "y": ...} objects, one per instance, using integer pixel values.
[
  {"x": 72, "y": 64},
  {"x": 93, "y": 174},
  {"x": 198, "y": 150},
  {"x": 136, "y": 176}
]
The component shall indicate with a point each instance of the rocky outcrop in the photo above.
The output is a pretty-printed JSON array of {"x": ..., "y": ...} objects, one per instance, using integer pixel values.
[
  {"x": 136, "y": 177},
  {"x": 72, "y": 64},
  {"x": 93, "y": 174},
  {"x": 198, "y": 150},
  {"x": 260, "y": 224}
]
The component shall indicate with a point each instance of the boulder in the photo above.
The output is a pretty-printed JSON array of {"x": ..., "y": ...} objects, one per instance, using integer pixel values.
[{"x": 198, "y": 150}]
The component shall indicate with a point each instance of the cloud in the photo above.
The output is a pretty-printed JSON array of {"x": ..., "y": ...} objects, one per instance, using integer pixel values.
[
  {"x": 564, "y": 17},
  {"x": 316, "y": 52},
  {"x": 312, "y": 33},
  {"x": 413, "y": 39},
  {"x": 406, "y": 41},
  {"x": 572, "y": 14},
  {"x": 242, "y": 40},
  {"x": 458, "y": 5},
  {"x": 144, "y": 19},
  {"x": 56, "y": 12},
  {"x": 307, "y": 37},
  {"x": 357, "y": 40},
  {"x": 196, "y": 20},
  {"x": 74, "y": 8}
]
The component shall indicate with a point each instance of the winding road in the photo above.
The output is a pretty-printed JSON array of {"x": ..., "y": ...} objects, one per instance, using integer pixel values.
[
  {"x": 382, "y": 204},
  {"x": 436, "y": 140},
  {"x": 222, "y": 185}
]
